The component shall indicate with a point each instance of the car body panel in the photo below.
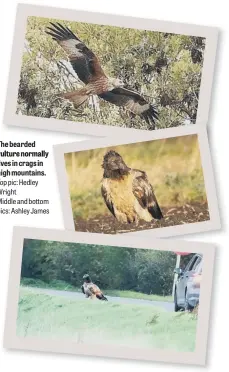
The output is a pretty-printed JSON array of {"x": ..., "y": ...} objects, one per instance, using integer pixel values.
[{"x": 187, "y": 285}]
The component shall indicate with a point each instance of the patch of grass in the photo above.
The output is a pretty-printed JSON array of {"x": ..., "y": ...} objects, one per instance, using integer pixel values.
[
  {"x": 61, "y": 285},
  {"x": 85, "y": 321},
  {"x": 138, "y": 295}
]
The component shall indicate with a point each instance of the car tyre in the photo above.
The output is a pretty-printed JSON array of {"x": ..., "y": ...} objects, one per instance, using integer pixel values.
[
  {"x": 187, "y": 306},
  {"x": 176, "y": 307}
]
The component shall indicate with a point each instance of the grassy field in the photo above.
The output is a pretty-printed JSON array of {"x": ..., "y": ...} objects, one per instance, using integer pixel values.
[
  {"x": 59, "y": 285},
  {"x": 63, "y": 286},
  {"x": 85, "y": 321},
  {"x": 173, "y": 167}
]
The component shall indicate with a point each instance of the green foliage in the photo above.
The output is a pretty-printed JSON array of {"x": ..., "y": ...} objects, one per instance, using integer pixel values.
[
  {"x": 62, "y": 264},
  {"x": 155, "y": 269},
  {"x": 97, "y": 322},
  {"x": 164, "y": 68}
]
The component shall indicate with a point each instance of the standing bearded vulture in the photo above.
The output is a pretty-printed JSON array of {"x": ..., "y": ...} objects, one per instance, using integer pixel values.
[
  {"x": 90, "y": 72},
  {"x": 91, "y": 290},
  {"x": 127, "y": 192}
]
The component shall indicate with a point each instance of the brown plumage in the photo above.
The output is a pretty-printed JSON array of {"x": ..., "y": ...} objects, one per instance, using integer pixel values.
[
  {"x": 127, "y": 192},
  {"x": 90, "y": 72},
  {"x": 91, "y": 290}
]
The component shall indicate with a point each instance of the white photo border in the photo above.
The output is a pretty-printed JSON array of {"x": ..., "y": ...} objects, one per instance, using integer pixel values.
[
  {"x": 212, "y": 224},
  {"x": 12, "y": 341}
]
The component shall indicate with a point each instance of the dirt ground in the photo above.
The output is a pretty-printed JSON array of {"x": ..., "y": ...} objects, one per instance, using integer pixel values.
[{"x": 107, "y": 224}]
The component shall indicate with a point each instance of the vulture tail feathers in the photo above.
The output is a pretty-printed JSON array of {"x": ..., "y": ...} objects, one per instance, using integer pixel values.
[
  {"x": 75, "y": 97},
  {"x": 101, "y": 297},
  {"x": 155, "y": 211}
]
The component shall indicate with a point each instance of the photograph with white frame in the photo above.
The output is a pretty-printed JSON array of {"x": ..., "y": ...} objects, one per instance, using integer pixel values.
[
  {"x": 161, "y": 78},
  {"x": 156, "y": 184},
  {"x": 147, "y": 327}
]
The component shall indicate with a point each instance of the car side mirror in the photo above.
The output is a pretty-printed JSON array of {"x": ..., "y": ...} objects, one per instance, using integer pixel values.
[{"x": 178, "y": 271}]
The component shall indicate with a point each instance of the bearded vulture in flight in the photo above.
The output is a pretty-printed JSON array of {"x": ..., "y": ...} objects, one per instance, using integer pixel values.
[
  {"x": 90, "y": 72},
  {"x": 91, "y": 290},
  {"x": 127, "y": 192}
]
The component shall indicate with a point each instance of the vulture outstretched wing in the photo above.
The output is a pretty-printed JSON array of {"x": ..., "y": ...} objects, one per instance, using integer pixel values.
[
  {"x": 143, "y": 191},
  {"x": 133, "y": 102},
  {"x": 83, "y": 60},
  {"x": 89, "y": 70}
]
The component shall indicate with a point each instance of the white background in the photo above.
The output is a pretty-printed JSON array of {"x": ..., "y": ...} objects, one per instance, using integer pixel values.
[{"x": 198, "y": 12}]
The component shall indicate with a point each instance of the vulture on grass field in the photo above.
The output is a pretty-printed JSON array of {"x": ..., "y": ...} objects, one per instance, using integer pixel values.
[
  {"x": 90, "y": 72},
  {"x": 91, "y": 290},
  {"x": 127, "y": 192}
]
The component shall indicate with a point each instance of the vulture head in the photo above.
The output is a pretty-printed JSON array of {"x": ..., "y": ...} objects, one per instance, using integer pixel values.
[
  {"x": 87, "y": 278},
  {"x": 114, "y": 165}
]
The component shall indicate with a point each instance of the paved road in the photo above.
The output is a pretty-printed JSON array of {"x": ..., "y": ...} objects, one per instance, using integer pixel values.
[{"x": 168, "y": 306}]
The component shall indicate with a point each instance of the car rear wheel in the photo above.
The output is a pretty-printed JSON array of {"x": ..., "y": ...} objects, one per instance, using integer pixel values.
[
  {"x": 187, "y": 306},
  {"x": 176, "y": 307}
]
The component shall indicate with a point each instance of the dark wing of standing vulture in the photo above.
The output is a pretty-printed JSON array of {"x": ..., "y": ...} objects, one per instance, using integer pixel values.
[
  {"x": 82, "y": 289},
  {"x": 108, "y": 202},
  {"x": 83, "y": 60},
  {"x": 143, "y": 191},
  {"x": 133, "y": 102}
]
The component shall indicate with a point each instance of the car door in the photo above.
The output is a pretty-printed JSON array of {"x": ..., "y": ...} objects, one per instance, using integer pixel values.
[
  {"x": 182, "y": 280},
  {"x": 198, "y": 266},
  {"x": 179, "y": 285},
  {"x": 194, "y": 271}
]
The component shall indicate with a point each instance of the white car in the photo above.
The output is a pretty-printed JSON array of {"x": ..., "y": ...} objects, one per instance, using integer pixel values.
[{"x": 187, "y": 286}]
